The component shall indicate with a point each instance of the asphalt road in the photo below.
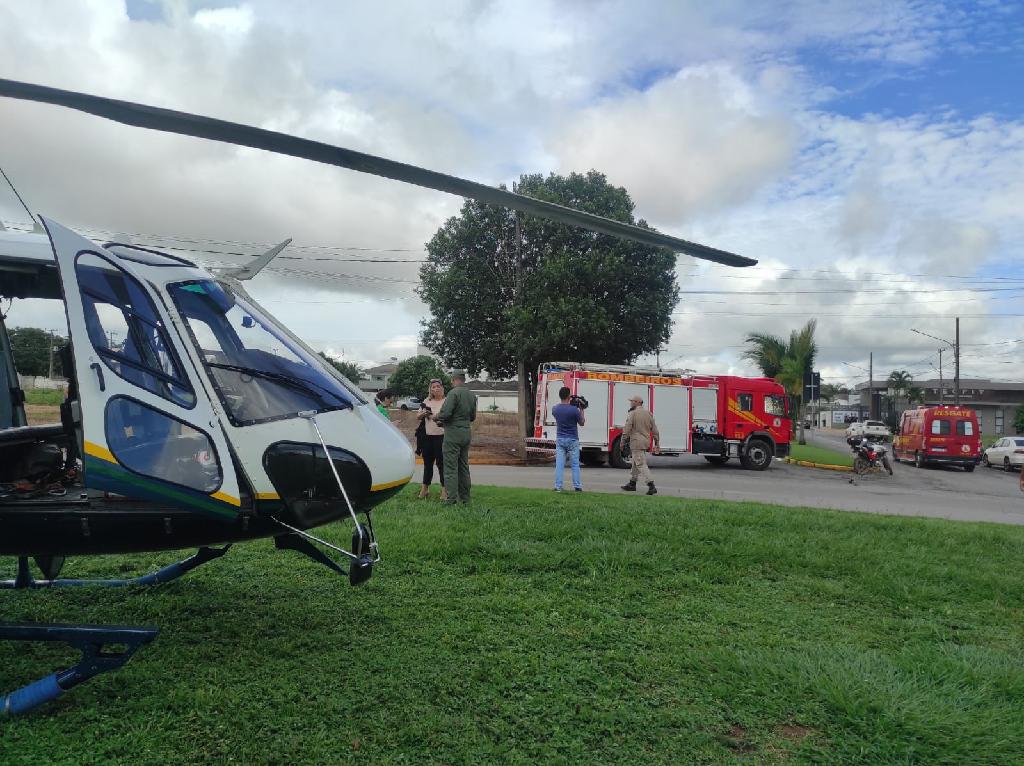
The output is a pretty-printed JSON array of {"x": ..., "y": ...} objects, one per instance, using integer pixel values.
[{"x": 947, "y": 493}]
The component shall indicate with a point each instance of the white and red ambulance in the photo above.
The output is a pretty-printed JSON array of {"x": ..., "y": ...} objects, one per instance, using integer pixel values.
[{"x": 717, "y": 416}]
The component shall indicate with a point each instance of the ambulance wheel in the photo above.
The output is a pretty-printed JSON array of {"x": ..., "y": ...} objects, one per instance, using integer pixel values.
[
  {"x": 757, "y": 455},
  {"x": 716, "y": 459},
  {"x": 615, "y": 457}
]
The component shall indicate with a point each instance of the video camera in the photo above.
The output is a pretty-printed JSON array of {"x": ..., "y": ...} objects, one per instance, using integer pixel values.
[{"x": 579, "y": 401}]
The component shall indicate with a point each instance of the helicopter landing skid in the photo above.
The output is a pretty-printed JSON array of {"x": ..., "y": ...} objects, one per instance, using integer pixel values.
[
  {"x": 103, "y": 647},
  {"x": 24, "y": 578}
]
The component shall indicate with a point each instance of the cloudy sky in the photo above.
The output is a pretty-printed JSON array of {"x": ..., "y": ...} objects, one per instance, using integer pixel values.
[{"x": 870, "y": 154}]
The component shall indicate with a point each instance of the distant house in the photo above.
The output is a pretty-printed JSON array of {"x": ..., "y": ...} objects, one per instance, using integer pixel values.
[
  {"x": 500, "y": 395},
  {"x": 377, "y": 378}
]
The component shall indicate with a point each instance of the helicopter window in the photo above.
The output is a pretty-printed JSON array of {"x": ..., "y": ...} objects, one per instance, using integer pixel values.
[
  {"x": 127, "y": 332},
  {"x": 259, "y": 372},
  {"x": 150, "y": 443}
]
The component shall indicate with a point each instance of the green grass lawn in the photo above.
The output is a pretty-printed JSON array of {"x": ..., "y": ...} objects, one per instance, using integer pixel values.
[
  {"x": 820, "y": 454},
  {"x": 576, "y": 629}
]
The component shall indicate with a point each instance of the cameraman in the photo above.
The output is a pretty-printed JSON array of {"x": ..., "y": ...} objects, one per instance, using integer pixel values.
[{"x": 568, "y": 416}]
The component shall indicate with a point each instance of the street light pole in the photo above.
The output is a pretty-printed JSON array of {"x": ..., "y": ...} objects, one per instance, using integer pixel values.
[{"x": 956, "y": 360}]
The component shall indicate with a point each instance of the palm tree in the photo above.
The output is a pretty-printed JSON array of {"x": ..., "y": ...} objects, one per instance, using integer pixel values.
[
  {"x": 787, "y": 362},
  {"x": 767, "y": 352},
  {"x": 900, "y": 382}
]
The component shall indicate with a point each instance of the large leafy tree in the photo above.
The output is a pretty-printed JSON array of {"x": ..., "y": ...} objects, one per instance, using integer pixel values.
[
  {"x": 786, "y": 361},
  {"x": 413, "y": 375},
  {"x": 32, "y": 348},
  {"x": 506, "y": 295}
]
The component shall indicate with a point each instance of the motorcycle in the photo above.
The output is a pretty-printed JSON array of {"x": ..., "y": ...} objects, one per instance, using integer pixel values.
[{"x": 869, "y": 455}]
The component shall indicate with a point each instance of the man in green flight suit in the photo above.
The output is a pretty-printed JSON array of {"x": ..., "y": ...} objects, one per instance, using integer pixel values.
[{"x": 457, "y": 412}]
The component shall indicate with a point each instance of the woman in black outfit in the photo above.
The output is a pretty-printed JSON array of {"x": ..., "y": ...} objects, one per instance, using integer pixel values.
[{"x": 433, "y": 439}]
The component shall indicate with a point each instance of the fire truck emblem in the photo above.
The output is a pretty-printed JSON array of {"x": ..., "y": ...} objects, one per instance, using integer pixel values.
[{"x": 777, "y": 422}]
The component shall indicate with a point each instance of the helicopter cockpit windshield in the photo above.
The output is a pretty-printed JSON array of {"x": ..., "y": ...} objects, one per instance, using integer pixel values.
[{"x": 260, "y": 373}]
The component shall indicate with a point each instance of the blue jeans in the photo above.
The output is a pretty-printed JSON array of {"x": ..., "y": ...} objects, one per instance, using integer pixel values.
[{"x": 566, "y": 447}]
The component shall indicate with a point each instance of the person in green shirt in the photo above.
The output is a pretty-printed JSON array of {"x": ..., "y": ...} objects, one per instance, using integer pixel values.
[
  {"x": 384, "y": 399},
  {"x": 456, "y": 415}
]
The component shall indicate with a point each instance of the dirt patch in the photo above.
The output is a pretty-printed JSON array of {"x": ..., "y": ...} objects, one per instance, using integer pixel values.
[
  {"x": 42, "y": 414},
  {"x": 736, "y": 740},
  {"x": 495, "y": 437},
  {"x": 794, "y": 732}
]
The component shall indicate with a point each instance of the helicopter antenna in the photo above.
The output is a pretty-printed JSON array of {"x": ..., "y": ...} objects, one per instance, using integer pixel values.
[
  {"x": 35, "y": 223},
  {"x": 197, "y": 126},
  {"x": 253, "y": 268}
]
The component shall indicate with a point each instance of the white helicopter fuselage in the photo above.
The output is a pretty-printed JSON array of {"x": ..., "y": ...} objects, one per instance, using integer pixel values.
[{"x": 189, "y": 393}]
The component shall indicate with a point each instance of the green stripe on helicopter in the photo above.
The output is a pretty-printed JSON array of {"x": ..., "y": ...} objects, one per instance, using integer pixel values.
[{"x": 110, "y": 477}]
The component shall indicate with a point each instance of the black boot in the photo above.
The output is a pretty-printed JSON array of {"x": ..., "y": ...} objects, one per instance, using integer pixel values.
[
  {"x": 630, "y": 487},
  {"x": 651, "y": 489}
]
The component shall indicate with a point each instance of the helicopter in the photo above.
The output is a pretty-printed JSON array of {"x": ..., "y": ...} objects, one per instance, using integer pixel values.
[{"x": 193, "y": 418}]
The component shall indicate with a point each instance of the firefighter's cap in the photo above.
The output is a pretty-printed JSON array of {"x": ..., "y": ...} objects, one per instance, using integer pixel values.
[{"x": 637, "y": 399}]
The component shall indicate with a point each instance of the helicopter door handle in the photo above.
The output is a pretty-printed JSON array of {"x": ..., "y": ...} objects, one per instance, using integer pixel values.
[{"x": 99, "y": 374}]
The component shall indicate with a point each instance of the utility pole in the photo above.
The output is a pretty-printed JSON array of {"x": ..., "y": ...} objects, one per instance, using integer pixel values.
[
  {"x": 956, "y": 361},
  {"x": 942, "y": 385},
  {"x": 525, "y": 411},
  {"x": 49, "y": 338},
  {"x": 871, "y": 385}
]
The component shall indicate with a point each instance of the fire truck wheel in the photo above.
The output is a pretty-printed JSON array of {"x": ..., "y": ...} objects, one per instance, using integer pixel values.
[
  {"x": 757, "y": 456},
  {"x": 716, "y": 459},
  {"x": 615, "y": 458},
  {"x": 592, "y": 457}
]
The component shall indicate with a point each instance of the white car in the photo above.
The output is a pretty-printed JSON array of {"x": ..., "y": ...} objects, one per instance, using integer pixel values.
[
  {"x": 409, "y": 403},
  {"x": 873, "y": 429},
  {"x": 1006, "y": 453}
]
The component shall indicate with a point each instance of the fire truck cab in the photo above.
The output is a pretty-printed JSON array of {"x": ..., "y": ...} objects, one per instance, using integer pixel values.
[{"x": 717, "y": 416}]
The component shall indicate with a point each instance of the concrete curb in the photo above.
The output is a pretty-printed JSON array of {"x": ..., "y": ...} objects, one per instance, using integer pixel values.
[{"x": 824, "y": 466}]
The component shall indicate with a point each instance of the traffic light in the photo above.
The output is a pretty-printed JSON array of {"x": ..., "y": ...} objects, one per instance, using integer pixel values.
[{"x": 812, "y": 386}]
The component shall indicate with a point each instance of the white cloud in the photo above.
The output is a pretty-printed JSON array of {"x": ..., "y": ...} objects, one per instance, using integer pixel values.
[
  {"x": 703, "y": 111},
  {"x": 695, "y": 142}
]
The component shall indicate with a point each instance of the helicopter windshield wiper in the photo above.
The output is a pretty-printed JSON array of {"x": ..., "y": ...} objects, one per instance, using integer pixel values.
[{"x": 286, "y": 380}]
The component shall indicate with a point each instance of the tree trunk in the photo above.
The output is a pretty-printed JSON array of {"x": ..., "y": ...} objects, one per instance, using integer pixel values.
[{"x": 525, "y": 408}]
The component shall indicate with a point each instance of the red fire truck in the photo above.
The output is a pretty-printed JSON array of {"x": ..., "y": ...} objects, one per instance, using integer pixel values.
[{"x": 717, "y": 416}]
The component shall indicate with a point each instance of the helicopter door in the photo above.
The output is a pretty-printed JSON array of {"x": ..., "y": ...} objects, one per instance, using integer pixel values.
[{"x": 149, "y": 431}]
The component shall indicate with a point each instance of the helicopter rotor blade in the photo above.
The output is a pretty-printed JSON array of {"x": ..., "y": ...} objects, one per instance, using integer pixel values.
[{"x": 183, "y": 123}]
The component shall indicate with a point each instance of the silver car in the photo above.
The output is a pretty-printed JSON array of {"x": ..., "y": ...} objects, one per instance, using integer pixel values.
[{"x": 1007, "y": 453}]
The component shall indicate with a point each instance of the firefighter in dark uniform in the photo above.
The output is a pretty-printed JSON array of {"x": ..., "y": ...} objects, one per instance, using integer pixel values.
[{"x": 456, "y": 415}]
